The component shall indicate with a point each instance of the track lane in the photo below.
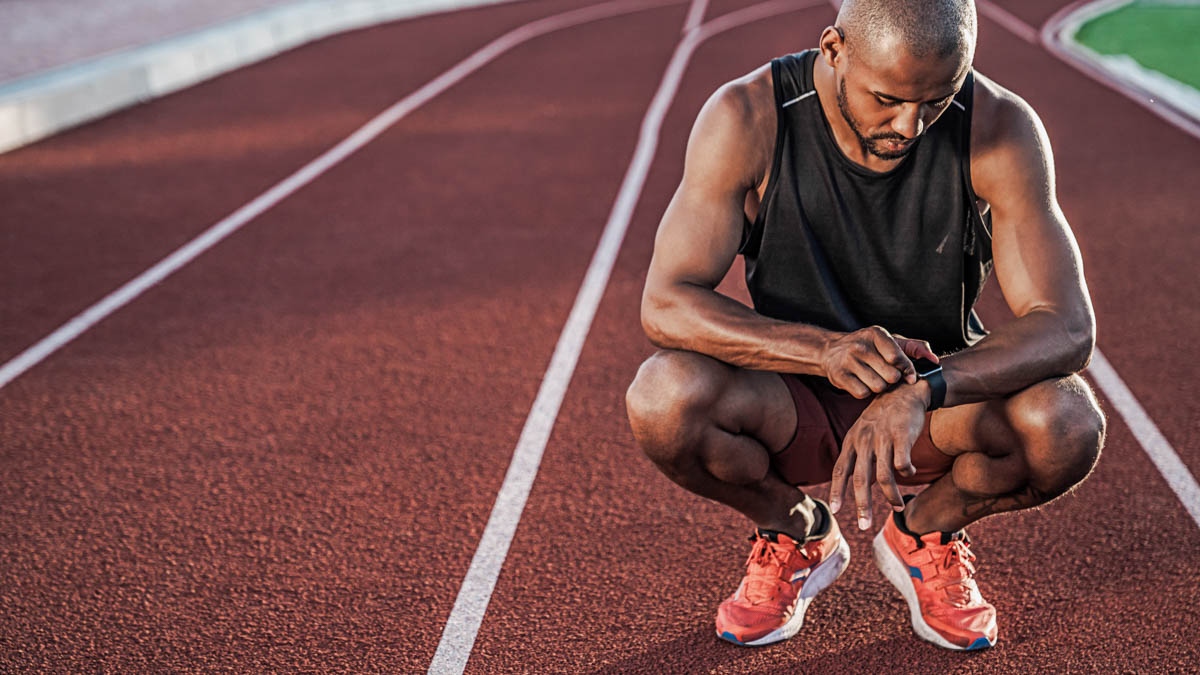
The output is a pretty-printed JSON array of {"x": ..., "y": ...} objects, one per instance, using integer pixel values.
[
  {"x": 620, "y": 570},
  {"x": 173, "y": 167},
  {"x": 247, "y": 360},
  {"x": 272, "y": 461},
  {"x": 1032, "y": 12}
]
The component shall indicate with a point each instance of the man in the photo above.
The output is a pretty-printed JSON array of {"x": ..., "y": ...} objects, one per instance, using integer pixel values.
[{"x": 871, "y": 184}]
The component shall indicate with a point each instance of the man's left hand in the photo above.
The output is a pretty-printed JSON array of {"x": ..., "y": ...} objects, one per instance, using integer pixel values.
[{"x": 880, "y": 440}]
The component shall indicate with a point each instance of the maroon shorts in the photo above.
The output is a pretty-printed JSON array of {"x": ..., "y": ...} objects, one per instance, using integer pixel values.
[{"x": 824, "y": 414}]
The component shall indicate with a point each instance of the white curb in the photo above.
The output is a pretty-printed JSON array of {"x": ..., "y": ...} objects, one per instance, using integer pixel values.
[
  {"x": 1174, "y": 101},
  {"x": 39, "y": 105}
]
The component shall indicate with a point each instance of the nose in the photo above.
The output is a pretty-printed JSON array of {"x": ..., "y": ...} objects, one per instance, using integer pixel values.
[{"x": 909, "y": 123}]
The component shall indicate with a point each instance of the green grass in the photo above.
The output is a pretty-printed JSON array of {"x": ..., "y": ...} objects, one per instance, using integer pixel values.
[{"x": 1164, "y": 37}]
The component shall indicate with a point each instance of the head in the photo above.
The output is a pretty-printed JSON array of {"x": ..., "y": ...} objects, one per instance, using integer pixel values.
[{"x": 897, "y": 66}]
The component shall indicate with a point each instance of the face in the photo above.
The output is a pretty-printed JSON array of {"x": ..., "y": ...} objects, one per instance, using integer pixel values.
[{"x": 889, "y": 102}]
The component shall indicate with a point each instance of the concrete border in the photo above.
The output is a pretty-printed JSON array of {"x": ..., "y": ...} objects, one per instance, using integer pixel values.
[
  {"x": 37, "y": 106},
  {"x": 1171, "y": 100}
]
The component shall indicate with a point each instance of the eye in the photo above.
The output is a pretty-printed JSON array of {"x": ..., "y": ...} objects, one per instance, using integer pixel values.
[
  {"x": 887, "y": 102},
  {"x": 944, "y": 102}
]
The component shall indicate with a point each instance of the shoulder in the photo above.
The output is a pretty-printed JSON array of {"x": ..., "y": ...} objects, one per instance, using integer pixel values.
[
  {"x": 1006, "y": 136},
  {"x": 736, "y": 126},
  {"x": 1000, "y": 117},
  {"x": 746, "y": 102}
]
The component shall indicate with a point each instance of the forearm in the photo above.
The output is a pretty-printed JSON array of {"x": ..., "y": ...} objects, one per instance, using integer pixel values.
[
  {"x": 1037, "y": 346},
  {"x": 698, "y": 319}
]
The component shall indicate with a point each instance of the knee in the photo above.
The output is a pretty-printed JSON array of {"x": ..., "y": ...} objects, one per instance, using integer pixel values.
[
  {"x": 668, "y": 400},
  {"x": 1062, "y": 429}
]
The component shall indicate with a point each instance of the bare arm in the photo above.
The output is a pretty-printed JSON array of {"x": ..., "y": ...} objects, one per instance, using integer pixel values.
[
  {"x": 1037, "y": 263},
  {"x": 728, "y": 156}
]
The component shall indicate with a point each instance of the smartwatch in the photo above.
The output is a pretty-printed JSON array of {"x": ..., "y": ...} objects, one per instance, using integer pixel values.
[{"x": 932, "y": 373}]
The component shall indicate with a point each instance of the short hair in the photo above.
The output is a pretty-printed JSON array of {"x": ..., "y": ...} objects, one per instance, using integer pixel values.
[{"x": 938, "y": 28}]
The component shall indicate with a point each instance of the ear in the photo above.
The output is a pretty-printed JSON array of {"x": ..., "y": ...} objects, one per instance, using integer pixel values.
[{"x": 833, "y": 45}]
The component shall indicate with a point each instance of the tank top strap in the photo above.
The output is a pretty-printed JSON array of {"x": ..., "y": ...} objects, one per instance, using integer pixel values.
[
  {"x": 791, "y": 77},
  {"x": 977, "y": 235},
  {"x": 792, "y": 74}
]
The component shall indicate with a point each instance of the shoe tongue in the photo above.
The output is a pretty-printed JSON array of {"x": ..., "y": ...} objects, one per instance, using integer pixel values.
[
  {"x": 940, "y": 538},
  {"x": 947, "y": 537},
  {"x": 775, "y": 536},
  {"x": 935, "y": 537}
]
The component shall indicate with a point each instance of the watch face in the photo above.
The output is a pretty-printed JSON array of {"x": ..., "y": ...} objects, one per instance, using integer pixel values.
[{"x": 925, "y": 367}]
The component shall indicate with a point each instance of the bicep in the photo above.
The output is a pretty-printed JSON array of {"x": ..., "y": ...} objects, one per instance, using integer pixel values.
[
  {"x": 701, "y": 228},
  {"x": 1037, "y": 260}
]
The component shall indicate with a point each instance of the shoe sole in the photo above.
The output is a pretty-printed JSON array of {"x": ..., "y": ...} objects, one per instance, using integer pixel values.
[
  {"x": 895, "y": 571},
  {"x": 823, "y": 575}
]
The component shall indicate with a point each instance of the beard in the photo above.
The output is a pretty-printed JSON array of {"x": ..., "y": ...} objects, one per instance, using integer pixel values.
[{"x": 872, "y": 144}]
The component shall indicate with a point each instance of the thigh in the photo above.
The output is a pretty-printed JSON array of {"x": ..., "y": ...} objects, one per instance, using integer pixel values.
[{"x": 751, "y": 402}]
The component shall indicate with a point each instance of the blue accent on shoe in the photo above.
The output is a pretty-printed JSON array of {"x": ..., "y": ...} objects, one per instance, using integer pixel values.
[
  {"x": 915, "y": 572},
  {"x": 729, "y": 636},
  {"x": 980, "y": 643}
]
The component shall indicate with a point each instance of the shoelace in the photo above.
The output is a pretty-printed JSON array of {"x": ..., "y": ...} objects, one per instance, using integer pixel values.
[
  {"x": 770, "y": 560},
  {"x": 959, "y": 572}
]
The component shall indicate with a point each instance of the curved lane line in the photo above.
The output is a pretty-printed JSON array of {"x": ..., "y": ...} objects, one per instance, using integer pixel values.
[
  {"x": 462, "y": 626},
  {"x": 1012, "y": 23},
  {"x": 695, "y": 16},
  {"x": 306, "y": 174},
  {"x": 1165, "y": 459}
]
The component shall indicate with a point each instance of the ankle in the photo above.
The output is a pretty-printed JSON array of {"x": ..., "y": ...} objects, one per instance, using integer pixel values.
[
  {"x": 913, "y": 519},
  {"x": 921, "y": 520},
  {"x": 801, "y": 521}
]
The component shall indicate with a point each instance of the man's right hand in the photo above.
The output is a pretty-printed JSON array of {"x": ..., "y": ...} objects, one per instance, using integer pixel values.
[{"x": 870, "y": 360}]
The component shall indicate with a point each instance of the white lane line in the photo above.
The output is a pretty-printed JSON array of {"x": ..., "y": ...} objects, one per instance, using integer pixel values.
[
  {"x": 695, "y": 16},
  {"x": 458, "y": 636},
  {"x": 1165, "y": 459},
  {"x": 1147, "y": 434},
  {"x": 1012, "y": 23},
  {"x": 365, "y": 134}
]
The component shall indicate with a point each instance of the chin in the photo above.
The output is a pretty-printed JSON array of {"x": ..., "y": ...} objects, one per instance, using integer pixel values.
[{"x": 890, "y": 154}]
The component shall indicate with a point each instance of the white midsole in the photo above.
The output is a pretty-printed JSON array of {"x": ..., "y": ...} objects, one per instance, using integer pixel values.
[
  {"x": 897, "y": 572},
  {"x": 822, "y": 577}
]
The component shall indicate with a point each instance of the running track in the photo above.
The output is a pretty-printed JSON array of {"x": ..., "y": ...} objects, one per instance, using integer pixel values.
[{"x": 281, "y": 457}]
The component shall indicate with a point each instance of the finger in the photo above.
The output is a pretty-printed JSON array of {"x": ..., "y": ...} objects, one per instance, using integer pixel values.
[
  {"x": 897, "y": 364},
  {"x": 902, "y": 459},
  {"x": 862, "y": 487},
  {"x": 887, "y": 480},
  {"x": 917, "y": 349},
  {"x": 848, "y": 382},
  {"x": 842, "y": 469},
  {"x": 871, "y": 375}
]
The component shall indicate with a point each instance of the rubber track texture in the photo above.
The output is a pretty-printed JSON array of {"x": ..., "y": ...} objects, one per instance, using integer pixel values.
[{"x": 279, "y": 459}]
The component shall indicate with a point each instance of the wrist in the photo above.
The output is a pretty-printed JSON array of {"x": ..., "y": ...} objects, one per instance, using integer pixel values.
[
  {"x": 930, "y": 374},
  {"x": 824, "y": 339},
  {"x": 923, "y": 391}
]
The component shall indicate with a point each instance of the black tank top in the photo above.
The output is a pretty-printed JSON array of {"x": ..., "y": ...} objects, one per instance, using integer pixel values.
[{"x": 842, "y": 247}]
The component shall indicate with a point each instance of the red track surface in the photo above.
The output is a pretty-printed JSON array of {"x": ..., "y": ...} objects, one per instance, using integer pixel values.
[{"x": 280, "y": 457}]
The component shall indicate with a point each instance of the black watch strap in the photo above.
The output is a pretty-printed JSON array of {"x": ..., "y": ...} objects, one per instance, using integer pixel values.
[
  {"x": 932, "y": 373},
  {"x": 937, "y": 388}
]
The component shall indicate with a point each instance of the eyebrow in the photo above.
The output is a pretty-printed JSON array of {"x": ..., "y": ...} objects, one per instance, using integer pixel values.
[{"x": 889, "y": 97}]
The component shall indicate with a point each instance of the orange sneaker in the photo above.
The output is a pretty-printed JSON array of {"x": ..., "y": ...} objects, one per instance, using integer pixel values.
[
  {"x": 783, "y": 576},
  {"x": 934, "y": 574}
]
